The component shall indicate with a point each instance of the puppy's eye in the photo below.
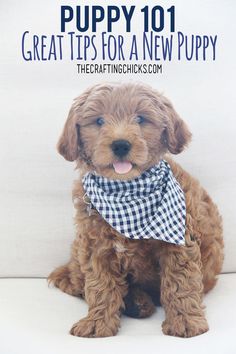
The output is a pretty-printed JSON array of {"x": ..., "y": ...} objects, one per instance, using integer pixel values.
[
  {"x": 140, "y": 119},
  {"x": 100, "y": 121}
]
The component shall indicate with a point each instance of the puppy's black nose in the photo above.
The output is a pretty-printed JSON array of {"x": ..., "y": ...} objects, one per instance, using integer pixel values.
[{"x": 120, "y": 147}]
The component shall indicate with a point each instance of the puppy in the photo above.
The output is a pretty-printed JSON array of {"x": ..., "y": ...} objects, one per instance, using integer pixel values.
[{"x": 116, "y": 132}]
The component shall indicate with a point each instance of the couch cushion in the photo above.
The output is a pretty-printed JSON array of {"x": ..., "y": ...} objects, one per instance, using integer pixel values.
[{"x": 36, "y": 319}]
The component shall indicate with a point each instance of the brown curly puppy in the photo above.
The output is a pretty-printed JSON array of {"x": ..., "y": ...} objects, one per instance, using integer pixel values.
[{"x": 114, "y": 273}]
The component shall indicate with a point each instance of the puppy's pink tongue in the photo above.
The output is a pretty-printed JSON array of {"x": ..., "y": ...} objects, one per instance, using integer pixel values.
[{"x": 122, "y": 167}]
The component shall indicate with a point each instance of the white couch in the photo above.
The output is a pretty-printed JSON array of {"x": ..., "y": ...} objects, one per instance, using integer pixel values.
[
  {"x": 36, "y": 319},
  {"x": 36, "y": 226}
]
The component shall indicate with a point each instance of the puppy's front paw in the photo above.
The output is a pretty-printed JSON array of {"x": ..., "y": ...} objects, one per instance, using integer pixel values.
[
  {"x": 185, "y": 326},
  {"x": 92, "y": 328}
]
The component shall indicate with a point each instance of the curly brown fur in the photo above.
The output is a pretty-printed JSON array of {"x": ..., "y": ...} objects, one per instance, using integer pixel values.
[{"x": 102, "y": 260}]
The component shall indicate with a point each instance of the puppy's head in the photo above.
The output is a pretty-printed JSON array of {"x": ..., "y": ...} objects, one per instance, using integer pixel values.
[{"x": 119, "y": 130}]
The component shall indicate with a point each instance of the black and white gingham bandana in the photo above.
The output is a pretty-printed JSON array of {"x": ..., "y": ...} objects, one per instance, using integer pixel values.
[{"x": 151, "y": 205}]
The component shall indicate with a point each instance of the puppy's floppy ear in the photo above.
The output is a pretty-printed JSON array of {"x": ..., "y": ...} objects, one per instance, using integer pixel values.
[
  {"x": 67, "y": 145},
  {"x": 176, "y": 135}
]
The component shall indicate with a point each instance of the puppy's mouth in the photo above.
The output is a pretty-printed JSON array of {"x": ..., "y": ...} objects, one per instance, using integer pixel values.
[{"x": 122, "y": 167}]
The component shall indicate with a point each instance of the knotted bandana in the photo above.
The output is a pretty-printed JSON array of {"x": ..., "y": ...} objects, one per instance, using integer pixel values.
[{"x": 149, "y": 206}]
